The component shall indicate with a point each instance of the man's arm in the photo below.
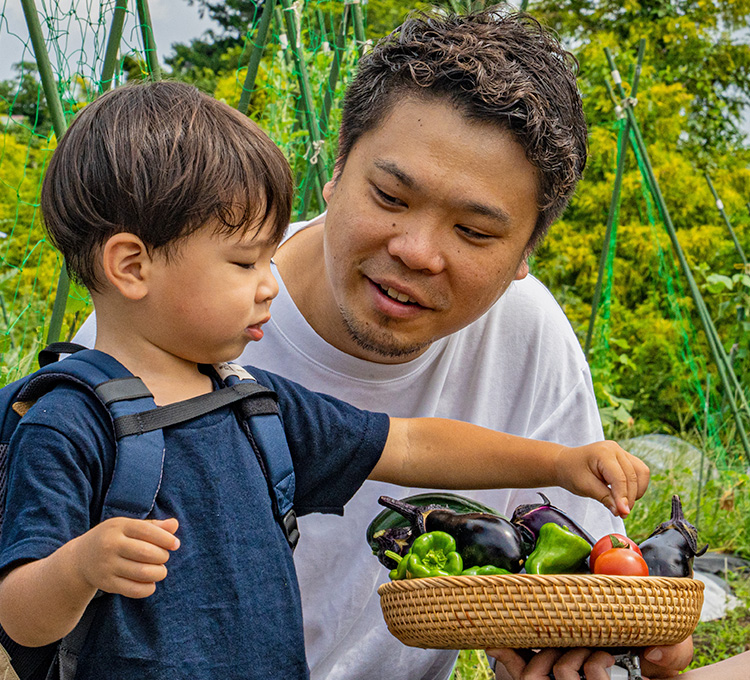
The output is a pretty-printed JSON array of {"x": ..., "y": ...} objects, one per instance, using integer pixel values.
[
  {"x": 434, "y": 452},
  {"x": 735, "y": 668}
]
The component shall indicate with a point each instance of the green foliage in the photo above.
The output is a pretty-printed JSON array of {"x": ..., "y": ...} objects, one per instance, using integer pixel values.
[
  {"x": 23, "y": 97},
  {"x": 691, "y": 42},
  {"x": 650, "y": 356},
  {"x": 472, "y": 665}
]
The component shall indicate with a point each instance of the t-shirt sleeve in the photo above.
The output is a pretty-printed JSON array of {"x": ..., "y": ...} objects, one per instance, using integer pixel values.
[
  {"x": 334, "y": 445},
  {"x": 55, "y": 476}
]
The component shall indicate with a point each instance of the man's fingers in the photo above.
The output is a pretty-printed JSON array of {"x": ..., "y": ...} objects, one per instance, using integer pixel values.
[
  {"x": 596, "y": 666},
  {"x": 541, "y": 664},
  {"x": 666, "y": 662},
  {"x": 510, "y": 664}
]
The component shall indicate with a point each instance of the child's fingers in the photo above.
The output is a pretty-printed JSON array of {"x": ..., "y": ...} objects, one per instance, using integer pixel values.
[
  {"x": 614, "y": 479},
  {"x": 129, "y": 588},
  {"x": 140, "y": 572},
  {"x": 626, "y": 501},
  {"x": 170, "y": 524},
  {"x": 153, "y": 532},
  {"x": 637, "y": 477},
  {"x": 137, "y": 550}
]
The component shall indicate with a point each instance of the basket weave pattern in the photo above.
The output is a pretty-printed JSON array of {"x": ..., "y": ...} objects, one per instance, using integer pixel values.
[{"x": 529, "y": 611}]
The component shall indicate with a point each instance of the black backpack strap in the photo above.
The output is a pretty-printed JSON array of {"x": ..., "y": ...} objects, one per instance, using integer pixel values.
[
  {"x": 267, "y": 436},
  {"x": 51, "y": 353}
]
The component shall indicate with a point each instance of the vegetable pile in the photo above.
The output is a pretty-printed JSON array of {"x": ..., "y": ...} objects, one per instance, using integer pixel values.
[{"x": 448, "y": 535}]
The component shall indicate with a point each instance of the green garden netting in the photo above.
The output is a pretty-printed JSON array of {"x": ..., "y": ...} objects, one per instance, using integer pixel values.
[
  {"x": 289, "y": 75},
  {"x": 299, "y": 55},
  {"x": 709, "y": 409}
]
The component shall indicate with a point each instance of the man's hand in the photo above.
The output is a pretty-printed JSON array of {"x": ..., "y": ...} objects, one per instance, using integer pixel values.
[
  {"x": 666, "y": 662},
  {"x": 126, "y": 556},
  {"x": 566, "y": 664},
  {"x": 569, "y": 664},
  {"x": 615, "y": 477}
]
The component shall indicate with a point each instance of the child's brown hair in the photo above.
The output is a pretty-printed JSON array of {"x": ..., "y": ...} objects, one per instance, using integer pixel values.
[{"x": 159, "y": 160}]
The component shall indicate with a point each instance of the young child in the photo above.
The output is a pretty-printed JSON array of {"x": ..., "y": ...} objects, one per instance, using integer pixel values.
[{"x": 168, "y": 205}]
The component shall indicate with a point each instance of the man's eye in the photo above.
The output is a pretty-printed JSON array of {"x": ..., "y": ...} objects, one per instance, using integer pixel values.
[
  {"x": 387, "y": 198},
  {"x": 472, "y": 234}
]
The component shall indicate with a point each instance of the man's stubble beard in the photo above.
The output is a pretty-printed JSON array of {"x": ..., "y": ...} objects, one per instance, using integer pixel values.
[{"x": 378, "y": 340}]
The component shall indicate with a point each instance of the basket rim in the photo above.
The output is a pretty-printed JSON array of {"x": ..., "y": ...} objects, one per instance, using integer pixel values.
[{"x": 541, "y": 580}]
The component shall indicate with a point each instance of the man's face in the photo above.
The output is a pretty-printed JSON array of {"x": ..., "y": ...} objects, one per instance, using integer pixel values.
[{"x": 427, "y": 225}]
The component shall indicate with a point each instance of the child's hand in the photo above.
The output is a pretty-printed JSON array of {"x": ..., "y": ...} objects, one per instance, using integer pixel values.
[
  {"x": 126, "y": 556},
  {"x": 603, "y": 471}
]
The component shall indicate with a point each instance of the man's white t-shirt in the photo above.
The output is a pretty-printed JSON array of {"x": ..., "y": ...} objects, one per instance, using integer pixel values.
[{"x": 518, "y": 369}]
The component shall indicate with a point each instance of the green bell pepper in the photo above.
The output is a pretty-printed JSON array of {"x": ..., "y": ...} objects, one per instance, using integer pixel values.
[
  {"x": 486, "y": 570},
  {"x": 557, "y": 551},
  {"x": 431, "y": 554}
]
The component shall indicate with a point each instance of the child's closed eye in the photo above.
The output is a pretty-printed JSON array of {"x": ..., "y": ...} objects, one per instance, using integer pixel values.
[{"x": 245, "y": 265}]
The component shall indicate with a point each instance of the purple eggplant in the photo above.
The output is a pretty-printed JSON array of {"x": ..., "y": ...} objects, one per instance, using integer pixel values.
[
  {"x": 670, "y": 549},
  {"x": 481, "y": 538},
  {"x": 533, "y": 516},
  {"x": 394, "y": 539}
]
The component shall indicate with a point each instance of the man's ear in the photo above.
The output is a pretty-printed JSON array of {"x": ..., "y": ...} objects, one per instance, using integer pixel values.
[
  {"x": 330, "y": 185},
  {"x": 523, "y": 268},
  {"x": 126, "y": 264}
]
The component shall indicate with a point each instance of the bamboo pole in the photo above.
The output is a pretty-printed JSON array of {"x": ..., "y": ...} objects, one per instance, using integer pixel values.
[
  {"x": 149, "y": 45},
  {"x": 622, "y": 146},
  {"x": 261, "y": 38},
  {"x": 728, "y": 377},
  {"x": 359, "y": 25},
  {"x": 316, "y": 153},
  {"x": 60, "y": 125},
  {"x": 333, "y": 77},
  {"x": 722, "y": 212},
  {"x": 113, "y": 44}
]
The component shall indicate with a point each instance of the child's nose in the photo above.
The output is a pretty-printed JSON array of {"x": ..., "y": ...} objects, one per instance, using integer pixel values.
[{"x": 268, "y": 288}]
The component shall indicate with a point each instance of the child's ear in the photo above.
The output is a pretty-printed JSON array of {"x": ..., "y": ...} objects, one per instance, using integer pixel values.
[{"x": 126, "y": 262}]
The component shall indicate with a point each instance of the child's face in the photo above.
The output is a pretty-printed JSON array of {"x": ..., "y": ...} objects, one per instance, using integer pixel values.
[{"x": 213, "y": 295}]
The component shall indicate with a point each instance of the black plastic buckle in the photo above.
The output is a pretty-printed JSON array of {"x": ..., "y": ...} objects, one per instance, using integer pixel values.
[{"x": 289, "y": 527}]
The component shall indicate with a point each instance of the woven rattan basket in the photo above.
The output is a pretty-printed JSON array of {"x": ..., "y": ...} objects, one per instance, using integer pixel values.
[{"x": 525, "y": 611}]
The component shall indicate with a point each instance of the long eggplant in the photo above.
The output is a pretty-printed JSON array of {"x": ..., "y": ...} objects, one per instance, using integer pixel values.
[
  {"x": 672, "y": 546},
  {"x": 390, "y": 530},
  {"x": 533, "y": 516},
  {"x": 481, "y": 538}
]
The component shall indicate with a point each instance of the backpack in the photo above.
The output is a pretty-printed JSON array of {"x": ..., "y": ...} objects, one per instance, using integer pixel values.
[{"x": 138, "y": 430}]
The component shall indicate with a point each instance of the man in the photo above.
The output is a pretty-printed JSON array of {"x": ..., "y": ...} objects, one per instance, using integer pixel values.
[{"x": 462, "y": 139}]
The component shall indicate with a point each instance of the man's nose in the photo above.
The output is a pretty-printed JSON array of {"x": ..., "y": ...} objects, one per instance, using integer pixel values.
[{"x": 419, "y": 246}]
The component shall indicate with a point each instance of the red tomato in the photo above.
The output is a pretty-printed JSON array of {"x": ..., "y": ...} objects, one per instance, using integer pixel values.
[
  {"x": 621, "y": 562},
  {"x": 607, "y": 543}
]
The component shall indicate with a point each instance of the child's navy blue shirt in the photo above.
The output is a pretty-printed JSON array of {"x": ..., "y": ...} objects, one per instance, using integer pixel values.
[{"x": 229, "y": 607}]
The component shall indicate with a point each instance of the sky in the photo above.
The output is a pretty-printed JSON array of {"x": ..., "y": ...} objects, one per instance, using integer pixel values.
[{"x": 173, "y": 21}]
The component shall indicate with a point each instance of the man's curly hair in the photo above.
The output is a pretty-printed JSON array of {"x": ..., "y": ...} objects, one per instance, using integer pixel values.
[{"x": 495, "y": 66}]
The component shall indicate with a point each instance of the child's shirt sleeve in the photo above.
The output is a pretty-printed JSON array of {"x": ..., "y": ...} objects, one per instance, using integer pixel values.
[
  {"x": 57, "y": 466},
  {"x": 334, "y": 445}
]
